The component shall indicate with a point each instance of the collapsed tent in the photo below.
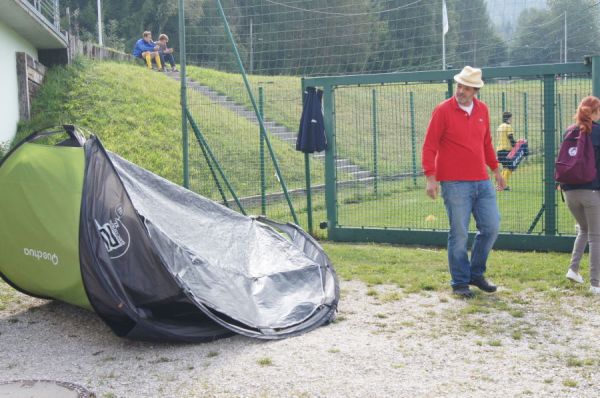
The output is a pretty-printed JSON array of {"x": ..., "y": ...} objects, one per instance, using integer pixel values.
[{"x": 154, "y": 260}]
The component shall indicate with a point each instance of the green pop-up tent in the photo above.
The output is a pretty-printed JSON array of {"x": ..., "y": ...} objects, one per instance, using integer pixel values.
[{"x": 155, "y": 261}]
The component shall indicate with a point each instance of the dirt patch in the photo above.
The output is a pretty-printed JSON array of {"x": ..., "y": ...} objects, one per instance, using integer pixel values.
[{"x": 384, "y": 343}]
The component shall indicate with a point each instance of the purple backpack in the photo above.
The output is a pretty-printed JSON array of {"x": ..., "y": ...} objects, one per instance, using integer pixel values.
[{"x": 576, "y": 160}]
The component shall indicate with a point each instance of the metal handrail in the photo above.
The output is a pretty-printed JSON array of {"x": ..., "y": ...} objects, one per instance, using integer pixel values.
[{"x": 49, "y": 10}]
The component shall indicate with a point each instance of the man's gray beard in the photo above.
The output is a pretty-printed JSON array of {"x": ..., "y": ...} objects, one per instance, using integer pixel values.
[{"x": 460, "y": 103}]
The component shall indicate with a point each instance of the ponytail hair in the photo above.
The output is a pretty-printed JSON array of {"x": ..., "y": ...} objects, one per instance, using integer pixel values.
[{"x": 583, "y": 116}]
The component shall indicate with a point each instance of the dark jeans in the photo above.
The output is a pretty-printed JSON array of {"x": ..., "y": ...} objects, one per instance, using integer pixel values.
[{"x": 168, "y": 58}]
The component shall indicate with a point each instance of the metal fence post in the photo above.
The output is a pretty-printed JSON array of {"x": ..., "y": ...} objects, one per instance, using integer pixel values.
[
  {"x": 330, "y": 154},
  {"x": 413, "y": 135},
  {"x": 183, "y": 94},
  {"x": 261, "y": 132},
  {"x": 503, "y": 102},
  {"x": 374, "y": 120},
  {"x": 307, "y": 176},
  {"x": 525, "y": 116},
  {"x": 56, "y": 15},
  {"x": 549, "y": 148},
  {"x": 309, "y": 211},
  {"x": 596, "y": 75},
  {"x": 559, "y": 105}
]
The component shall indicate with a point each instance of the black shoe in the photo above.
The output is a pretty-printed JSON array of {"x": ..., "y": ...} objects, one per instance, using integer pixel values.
[
  {"x": 484, "y": 285},
  {"x": 507, "y": 188},
  {"x": 463, "y": 292}
]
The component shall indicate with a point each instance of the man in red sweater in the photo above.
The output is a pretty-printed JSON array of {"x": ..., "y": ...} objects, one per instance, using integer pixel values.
[{"x": 457, "y": 149}]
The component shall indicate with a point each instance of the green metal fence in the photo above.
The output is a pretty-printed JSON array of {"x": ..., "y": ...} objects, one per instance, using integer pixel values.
[{"x": 378, "y": 123}]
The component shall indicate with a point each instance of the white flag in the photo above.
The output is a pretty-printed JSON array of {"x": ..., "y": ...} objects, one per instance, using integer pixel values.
[{"x": 444, "y": 17}]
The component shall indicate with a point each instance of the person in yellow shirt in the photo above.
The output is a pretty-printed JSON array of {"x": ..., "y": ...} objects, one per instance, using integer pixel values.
[{"x": 506, "y": 142}]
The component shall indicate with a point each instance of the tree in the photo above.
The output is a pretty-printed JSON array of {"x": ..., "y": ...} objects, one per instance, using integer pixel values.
[
  {"x": 540, "y": 33},
  {"x": 125, "y": 21},
  {"x": 533, "y": 38},
  {"x": 583, "y": 32},
  {"x": 410, "y": 38},
  {"x": 478, "y": 42}
]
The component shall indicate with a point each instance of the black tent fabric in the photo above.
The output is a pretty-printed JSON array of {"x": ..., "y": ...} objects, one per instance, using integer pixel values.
[
  {"x": 160, "y": 262},
  {"x": 311, "y": 133}
]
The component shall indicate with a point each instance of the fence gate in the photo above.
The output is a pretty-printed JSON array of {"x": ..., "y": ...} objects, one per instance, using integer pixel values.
[{"x": 375, "y": 124}]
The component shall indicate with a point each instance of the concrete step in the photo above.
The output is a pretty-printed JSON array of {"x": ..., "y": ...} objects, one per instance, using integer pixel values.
[
  {"x": 279, "y": 130},
  {"x": 348, "y": 168},
  {"x": 360, "y": 174}
]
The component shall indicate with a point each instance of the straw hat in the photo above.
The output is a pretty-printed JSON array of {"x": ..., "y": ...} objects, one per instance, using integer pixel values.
[{"x": 469, "y": 77}]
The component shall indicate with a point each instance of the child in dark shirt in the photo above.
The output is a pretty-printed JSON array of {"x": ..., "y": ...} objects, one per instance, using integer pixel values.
[{"x": 166, "y": 53}]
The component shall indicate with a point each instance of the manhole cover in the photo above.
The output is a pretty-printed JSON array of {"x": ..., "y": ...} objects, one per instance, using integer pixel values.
[{"x": 43, "y": 389}]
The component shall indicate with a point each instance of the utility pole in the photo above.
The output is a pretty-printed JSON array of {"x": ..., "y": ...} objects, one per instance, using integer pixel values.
[{"x": 100, "y": 23}]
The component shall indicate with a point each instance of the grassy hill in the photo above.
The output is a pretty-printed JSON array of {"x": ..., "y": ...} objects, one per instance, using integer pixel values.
[
  {"x": 137, "y": 114},
  {"x": 118, "y": 103}
]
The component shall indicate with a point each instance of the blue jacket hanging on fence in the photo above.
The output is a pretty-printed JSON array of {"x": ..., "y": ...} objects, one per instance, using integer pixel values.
[{"x": 311, "y": 134}]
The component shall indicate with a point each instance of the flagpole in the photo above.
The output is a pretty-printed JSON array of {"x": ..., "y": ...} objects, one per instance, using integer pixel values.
[
  {"x": 443, "y": 51},
  {"x": 444, "y": 31}
]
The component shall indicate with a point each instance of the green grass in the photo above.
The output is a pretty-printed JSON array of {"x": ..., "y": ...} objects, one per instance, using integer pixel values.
[
  {"x": 569, "y": 383},
  {"x": 265, "y": 361},
  {"x": 137, "y": 114},
  {"x": 418, "y": 270}
]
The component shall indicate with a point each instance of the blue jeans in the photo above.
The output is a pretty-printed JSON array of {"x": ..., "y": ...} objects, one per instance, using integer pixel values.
[
  {"x": 167, "y": 58},
  {"x": 463, "y": 198}
]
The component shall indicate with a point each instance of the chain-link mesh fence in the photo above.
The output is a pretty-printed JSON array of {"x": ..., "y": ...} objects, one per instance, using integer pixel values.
[
  {"x": 378, "y": 127},
  {"x": 381, "y": 129}
]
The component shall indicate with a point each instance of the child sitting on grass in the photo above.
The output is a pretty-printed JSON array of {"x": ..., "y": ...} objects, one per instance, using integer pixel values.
[
  {"x": 146, "y": 49},
  {"x": 166, "y": 54}
]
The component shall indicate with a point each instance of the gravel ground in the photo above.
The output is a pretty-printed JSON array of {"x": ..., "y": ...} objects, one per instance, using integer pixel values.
[{"x": 384, "y": 344}]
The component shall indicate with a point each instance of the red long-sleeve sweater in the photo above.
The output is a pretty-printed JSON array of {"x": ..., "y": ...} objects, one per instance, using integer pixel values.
[{"x": 457, "y": 146}]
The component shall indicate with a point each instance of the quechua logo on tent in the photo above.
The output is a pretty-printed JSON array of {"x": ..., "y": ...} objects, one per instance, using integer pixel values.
[
  {"x": 114, "y": 234},
  {"x": 41, "y": 255}
]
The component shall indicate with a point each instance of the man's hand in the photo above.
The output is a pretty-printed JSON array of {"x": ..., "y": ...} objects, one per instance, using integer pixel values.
[
  {"x": 500, "y": 183},
  {"x": 433, "y": 187}
]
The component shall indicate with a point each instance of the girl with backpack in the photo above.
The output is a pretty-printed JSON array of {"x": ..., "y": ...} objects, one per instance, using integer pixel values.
[{"x": 583, "y": 198}]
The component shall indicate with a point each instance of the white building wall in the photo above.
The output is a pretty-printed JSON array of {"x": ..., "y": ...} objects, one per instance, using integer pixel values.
[{"x": 9, "y": 95}]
